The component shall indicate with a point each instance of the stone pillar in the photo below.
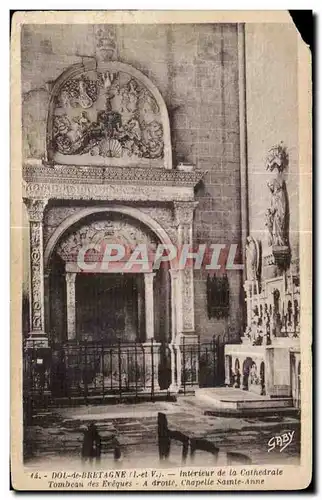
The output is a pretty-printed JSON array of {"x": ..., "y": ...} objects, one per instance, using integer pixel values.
[
  {"x": 141, "y": 328},
  {"x": 149, "y": 306},
  {"x": 35, "y": 208},
  {"x": 46, "y": 300},
  {"x": 228, "y": 369},
  {"x": 248, "y": 291},
  {"x": 151, "y": 348},
  {"x": 184, "y": 218},
  {"x": 175, "y": 353},
  {"x": 71, "y": 305},
  {"x": 186, "y": 339},
  {"x": 37, "y": 353}
]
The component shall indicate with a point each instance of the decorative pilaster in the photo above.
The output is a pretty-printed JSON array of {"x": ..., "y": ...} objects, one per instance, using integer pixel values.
[
  {"x": 149, "y": 306},
  {"x": 35, "y": 209},
  {"x": 184, "y": 219},
  {"x": 71, "y": 305},
  {"x": 186, "y": 343}
]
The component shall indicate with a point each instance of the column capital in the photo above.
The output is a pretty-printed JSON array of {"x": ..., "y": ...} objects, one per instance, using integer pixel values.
[
  {"x": 148, "y": 277},
  {"x": 184, "y": 211},
  {"x": 35, "y": 208}
]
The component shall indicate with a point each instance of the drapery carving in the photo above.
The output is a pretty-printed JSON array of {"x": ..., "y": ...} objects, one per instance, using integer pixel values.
[
  {"x": 276, "y": 215},
  {"x": 252, "y": 258}
]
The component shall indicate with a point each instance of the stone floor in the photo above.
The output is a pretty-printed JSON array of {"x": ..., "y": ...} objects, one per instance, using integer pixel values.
[{"x": 55, "y": 436}]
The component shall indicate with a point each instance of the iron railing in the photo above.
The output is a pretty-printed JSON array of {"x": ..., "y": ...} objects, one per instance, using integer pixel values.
[{"x": 88, "y": 369}]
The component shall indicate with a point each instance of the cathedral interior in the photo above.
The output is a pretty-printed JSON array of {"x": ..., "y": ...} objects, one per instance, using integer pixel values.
[{"x": 177, "y": 136}]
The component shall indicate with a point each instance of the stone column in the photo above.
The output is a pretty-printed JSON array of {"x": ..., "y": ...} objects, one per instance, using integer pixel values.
[
  {"x": 37, "y": 335},
  {"x": 186, "y": 339},
  {"x": 175, "y": 352},
  {"x": 151, "y": 348},
  {"x": 36, "y": 346},
  {"x": 141, "y": 328},
  {"x": 184, "y": 218},
  {"x": 249, "y": 299},
  {"x": 149, "y": 306},
  {"x": 71, "y": 305}
]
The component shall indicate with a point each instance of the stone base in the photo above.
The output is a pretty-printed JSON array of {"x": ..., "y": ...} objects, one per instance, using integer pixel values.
[
  {"x": 224, "y": 397},
  {"x": 277, "y": 255},
  {"x": 263, "y": 370},
  {"x": 281, "y": 255},
  {"x": 37, "y": 340}
]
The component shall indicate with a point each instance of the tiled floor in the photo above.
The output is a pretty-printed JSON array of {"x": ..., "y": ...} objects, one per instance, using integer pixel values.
[{"x": 57, "y": 437}]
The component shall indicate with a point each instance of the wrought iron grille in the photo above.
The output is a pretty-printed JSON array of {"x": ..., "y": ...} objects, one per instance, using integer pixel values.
[{"x": 87, "y": 370}]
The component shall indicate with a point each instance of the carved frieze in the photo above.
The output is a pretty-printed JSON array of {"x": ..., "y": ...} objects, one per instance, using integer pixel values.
[
  {"x": 104, "y": 231},
  {"x": 72, "y": 174},
  {"x": 107, "y": 192}
]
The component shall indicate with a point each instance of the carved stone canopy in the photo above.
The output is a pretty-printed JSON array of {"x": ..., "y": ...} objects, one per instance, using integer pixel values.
[{"x": 277, "y": 158}]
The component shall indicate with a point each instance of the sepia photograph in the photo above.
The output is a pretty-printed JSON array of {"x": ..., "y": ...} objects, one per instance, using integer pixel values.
[{"x": 161, "y": 201}]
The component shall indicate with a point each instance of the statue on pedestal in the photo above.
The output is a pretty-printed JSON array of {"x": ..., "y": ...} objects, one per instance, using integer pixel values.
[
  {"x": 252, "y": 259},
  {"x": 277, "y": 214}
]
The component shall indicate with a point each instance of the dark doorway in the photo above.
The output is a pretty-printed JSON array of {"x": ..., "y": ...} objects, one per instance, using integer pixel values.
[{"x": 107, "y": 307}]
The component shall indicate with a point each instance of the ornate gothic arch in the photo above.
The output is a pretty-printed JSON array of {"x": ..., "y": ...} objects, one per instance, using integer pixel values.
[
  {"x": 107, "y": 113},
  {"x": 144, "y": 218}
]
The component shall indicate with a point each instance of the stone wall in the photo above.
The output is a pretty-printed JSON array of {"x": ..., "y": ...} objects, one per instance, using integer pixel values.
[
  {"x": 195, "y": 68},
  {"x": 272, "y": 116}
]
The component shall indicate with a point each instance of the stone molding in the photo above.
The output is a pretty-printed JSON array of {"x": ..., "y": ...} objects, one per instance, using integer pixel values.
[{"x": 89, "y": 175}]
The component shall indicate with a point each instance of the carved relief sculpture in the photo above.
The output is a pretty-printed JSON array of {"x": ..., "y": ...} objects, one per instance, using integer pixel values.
[
  {"x": 277, "y": 214},
  {"x": 122, "y": 118},
  {"x": 277, "y": 158}
]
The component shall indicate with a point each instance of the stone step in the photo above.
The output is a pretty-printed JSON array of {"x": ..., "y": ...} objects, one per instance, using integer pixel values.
[{"x": 237, "y": 399}]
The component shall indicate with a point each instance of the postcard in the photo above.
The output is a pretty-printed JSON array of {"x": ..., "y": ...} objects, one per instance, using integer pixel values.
[{"x": 161, "y": 251}]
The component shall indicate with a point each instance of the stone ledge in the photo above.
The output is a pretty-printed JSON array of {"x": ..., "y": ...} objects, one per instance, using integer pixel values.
[{"x": 74, "y": 174}]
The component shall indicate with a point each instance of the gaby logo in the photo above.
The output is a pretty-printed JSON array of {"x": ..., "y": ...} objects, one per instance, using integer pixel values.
[
  {"x": 112, "y": 257},
  {"x": 280, "y": 441}
]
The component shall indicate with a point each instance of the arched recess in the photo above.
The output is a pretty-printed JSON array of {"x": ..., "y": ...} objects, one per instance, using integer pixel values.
[
  {"x": 144, "y": 87},
  {"x": 130, "y": 211}
]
